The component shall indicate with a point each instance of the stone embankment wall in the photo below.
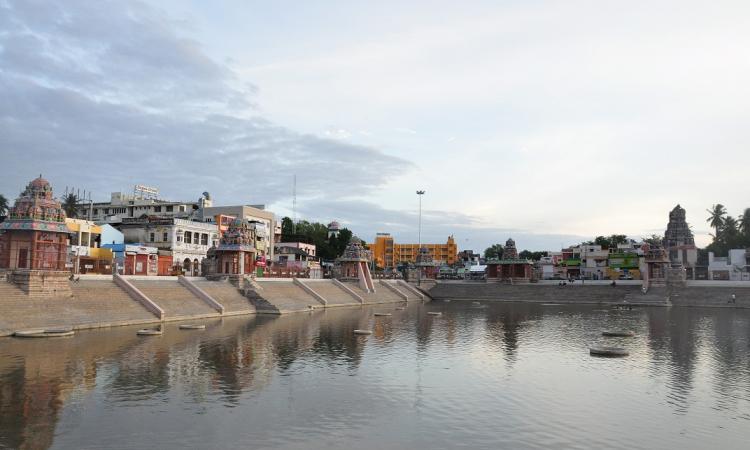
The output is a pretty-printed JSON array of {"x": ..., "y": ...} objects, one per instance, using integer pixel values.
[
  {"x": 97, "y": 302},
  {"x": 694, "y": 294},
  {"x": 280, "y": 296}
]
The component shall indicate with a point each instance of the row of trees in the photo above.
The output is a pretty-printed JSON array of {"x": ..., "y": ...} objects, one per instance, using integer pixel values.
[
  {"x": 730, "y": 232},
  {"x": 3, "y": 205},
  {"x": 497, "y": 251},
  {"x": 316, "y": 233},
  {"x": 612, "y": 241}
]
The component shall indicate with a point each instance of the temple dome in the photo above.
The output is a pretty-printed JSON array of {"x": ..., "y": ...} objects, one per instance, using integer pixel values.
[
  {"x": 334, "y": 226},
  {"x": 37, "y": 204},
  {"x": 39, "y": 183}
]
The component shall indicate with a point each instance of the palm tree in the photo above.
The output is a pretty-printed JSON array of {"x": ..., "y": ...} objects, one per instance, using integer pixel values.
[
  {"x": 744, "y": 221},
  {"x": 729, "y": 232},
  {"x": 3, "y": 205},
  {"x": 716, "y": 219},
  {"x": 70, "y": 204}
]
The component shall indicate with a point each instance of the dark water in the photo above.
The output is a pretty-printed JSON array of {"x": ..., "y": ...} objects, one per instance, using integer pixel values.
[{"x": 496, "y": 376}]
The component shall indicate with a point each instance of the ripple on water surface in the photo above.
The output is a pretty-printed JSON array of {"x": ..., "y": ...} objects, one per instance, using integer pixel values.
[{"x": 501, "y": 376}]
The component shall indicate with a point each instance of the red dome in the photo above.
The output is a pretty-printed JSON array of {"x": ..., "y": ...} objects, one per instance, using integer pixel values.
[{"x": 39, "y": 183}]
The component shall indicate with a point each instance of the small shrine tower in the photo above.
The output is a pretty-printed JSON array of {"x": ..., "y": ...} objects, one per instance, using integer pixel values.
[
  {"x": 428, "y": 269},
  {"x": 510, "y": 269},
  {"x": 354, "y": 265},
  {"x": 34, "y": 241},
  {"x": 235, "y": 255}
]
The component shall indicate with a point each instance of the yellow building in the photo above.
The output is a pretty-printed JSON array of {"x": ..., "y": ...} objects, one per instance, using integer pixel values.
[
  {"x": 388, "y": 254},
  {"x": 84, "y": 254}
]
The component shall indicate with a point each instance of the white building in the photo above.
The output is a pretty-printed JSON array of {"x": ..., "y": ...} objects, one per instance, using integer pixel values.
[
  {"x": 265, "y": 223},
  {"x": 128, "y": 206},
  {"x": 593, "y": 261},
  {"x": 186, "y": 240},
  {"x": 733, "y": 267},
  {"x": 310, "y": 249}
]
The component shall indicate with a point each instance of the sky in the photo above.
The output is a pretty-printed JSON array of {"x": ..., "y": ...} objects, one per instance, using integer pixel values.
[{"x": 549, "y": 122}]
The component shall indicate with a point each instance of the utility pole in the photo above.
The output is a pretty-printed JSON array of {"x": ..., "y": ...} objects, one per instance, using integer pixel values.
[
  {"x": 419, "y": 238},
  {"x": 294, "y": 205}
]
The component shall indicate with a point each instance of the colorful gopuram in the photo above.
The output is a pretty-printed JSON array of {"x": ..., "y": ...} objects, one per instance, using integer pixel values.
[
  {"x": 511, "y": 268},
  {"x": 34, "y": 240},
  {"x": 354, "y": 264},
  {"x": 235, "y": 255},
  {"x": 426, "y": 266}
]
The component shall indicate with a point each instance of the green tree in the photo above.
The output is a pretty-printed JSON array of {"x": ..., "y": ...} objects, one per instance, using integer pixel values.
[
  {"x": 328, "y": 248},
  {"x": 744, "y": 224},
  {"x": 534, "y": 256},
  {"x": 730, "y": 235},
  {"x": 655, "y": 240},
  {"x": 609, "y": 241},
  {"x": 494, "y": 251},
  {"x": 716, "y": 217},
  {"x": 70, "y": 205},
  {"x": 4, "y": 206},
  {"x": 287, "y": 229}
]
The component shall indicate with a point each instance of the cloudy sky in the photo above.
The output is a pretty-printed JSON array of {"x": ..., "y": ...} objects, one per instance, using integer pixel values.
[{"x": 545, "y": 121}]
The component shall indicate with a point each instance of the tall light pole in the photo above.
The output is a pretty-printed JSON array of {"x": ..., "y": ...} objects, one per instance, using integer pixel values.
[{"x": 419, "y": 237}]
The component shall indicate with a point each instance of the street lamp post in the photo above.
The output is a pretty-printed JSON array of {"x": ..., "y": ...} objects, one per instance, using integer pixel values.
[{"x": 419, "y": 238}]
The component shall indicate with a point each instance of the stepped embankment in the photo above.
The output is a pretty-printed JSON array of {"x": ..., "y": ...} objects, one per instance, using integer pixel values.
[{"x": 694, "y": 293}]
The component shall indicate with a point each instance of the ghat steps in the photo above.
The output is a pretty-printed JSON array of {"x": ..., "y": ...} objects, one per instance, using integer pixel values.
[
  {"x": 92, "y": 304},
  {"x": 228, "y": 296},
  {"x": 176, "y": 300},
  {"x": 284, "y": 296}
]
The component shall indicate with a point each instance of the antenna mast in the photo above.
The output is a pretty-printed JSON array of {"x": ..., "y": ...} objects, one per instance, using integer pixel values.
[{"x": 294, "y": 205}]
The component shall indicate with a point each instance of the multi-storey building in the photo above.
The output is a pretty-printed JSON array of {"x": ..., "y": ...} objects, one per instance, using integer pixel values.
[
  {"x": 187, "y": 241},
  {"x": 388, "y": 254},
  {"x": 140, "y": 203},
  {"x": 263, "y": 222},
  {"x": 593, "y": 261}
]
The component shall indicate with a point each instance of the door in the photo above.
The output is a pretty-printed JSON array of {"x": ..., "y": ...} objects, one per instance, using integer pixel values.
[{"x": 23, "y": 258}]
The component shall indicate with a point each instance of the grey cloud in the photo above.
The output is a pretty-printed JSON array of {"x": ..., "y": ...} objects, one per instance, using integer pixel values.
[{"x": 102, "y": 95}]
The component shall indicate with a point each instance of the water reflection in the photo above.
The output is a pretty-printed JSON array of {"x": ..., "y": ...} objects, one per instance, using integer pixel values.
[{"x": 428, "y": 380}]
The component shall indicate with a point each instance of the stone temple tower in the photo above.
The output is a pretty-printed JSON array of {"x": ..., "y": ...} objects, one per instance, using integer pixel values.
[{"x": 679, "y": 242}]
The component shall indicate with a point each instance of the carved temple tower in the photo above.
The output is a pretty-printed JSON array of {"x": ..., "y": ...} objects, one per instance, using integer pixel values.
[
  {"x": 354, "y": 265},
  {"x": 34, "y": 241},
  {"x": 679, "y": 243},
  {"x": 234, "y": 257}
]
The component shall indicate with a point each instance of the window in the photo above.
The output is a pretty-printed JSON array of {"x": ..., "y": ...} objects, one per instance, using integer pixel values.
[
  {"x": 188, "y": 237},
  {"x": 96, "y": 211},
  {"x": 151, "y": 237},
  {"x": 182, "y": 208},
  {"x": 157, "y": 208},
  {"x": 165, "y": 237},
  {"x": 106, "y": 210},
  {"x": 170, "y": 208},
  {"x": 204, "y": 239}
]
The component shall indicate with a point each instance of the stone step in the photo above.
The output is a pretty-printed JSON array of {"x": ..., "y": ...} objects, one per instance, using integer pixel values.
[
  {"x": 176, "y": 300},
  {"x": 228, "y": 295},
  {"x": 333, "y": 294}
]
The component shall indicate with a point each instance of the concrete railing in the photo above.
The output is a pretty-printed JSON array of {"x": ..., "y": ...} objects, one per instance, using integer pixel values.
[
  {"x": 201, "y": 294},
  {"x": 139, "y": 296},
  {"x": 252, "y": 283},
  {"x": 310, "y": 291},
  {"x": 394, "y": 289},
  {"x": 348, "y": 290},
  {"x": 411, "y": 289}
]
